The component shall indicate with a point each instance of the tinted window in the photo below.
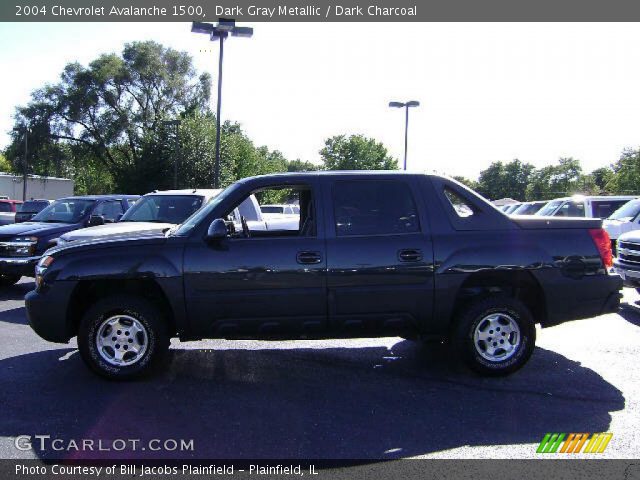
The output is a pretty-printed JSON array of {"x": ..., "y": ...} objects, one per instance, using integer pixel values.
[
  {"x": 604, "y": 208},
  {"x": 627, "y": 212},
  {"x": 163, "y": 208},
  {"x": 5, "y": 207},
  {"x": 33, "y": 206},
  {"x": 570, "y": 209},
  {"x": 66, "y": 210},
  {"x": 374, "y": 208},
  {"x": 109, "y": 210},
  {"x": 268, "y": 209}
]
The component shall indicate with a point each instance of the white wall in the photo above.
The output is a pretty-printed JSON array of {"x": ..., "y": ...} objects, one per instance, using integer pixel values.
[{"x": 37, "y": 187}]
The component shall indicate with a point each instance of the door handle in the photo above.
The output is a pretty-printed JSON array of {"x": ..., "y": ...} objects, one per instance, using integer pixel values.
[
  {"x": 410, "y": 255},
  {"x": 307, "y": 258}
]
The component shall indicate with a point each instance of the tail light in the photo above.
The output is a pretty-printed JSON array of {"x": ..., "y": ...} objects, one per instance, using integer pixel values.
[{"x": 603, "y": 243}]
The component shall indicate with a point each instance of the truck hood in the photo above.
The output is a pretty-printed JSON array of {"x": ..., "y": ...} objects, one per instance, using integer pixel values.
[
  {"x": 115, "y": 229},
  {"x": 35, "y": 228},
  {"x": 632, "y": 236},
  {"x": 127, "y": 240},
  {"x": 534, "y": 222},
  {"x": 615, "y": 228}
]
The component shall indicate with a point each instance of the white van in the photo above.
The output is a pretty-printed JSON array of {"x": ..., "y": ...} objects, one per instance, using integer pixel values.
[{"x": 590, "y": 206}]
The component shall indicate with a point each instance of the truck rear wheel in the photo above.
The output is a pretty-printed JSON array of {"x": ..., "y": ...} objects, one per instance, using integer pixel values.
[
  {"x": 123, "y": 337},
  {"x": 495, "y": 336}
]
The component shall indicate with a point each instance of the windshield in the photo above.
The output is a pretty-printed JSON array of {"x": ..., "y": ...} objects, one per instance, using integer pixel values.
[
  {"x": 549, "y": 208},
  {"x": 191, "y": 222},
  {"x": 66, "y": 210},
  {"x": 163, "y": 208},
  {"x": 32, "y": 206},
  {"x": 272, "y": 209},
  {"x": 627, "y": 212},
  {"x": 528, "y": 208}
]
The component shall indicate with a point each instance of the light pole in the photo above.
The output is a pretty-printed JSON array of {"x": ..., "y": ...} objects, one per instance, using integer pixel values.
[
  {"x": 25, "y": 164},
  {"x": 176, "y": 123},
  {"x": 406, "y": 105},
  {"x": 219, "y": 32}
]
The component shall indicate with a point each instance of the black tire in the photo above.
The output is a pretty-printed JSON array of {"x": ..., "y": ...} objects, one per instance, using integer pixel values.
[
  {"x": 148, "y": 316},
  {"x": 470, "y": 317},
  {"x": 8, "y": 280}
]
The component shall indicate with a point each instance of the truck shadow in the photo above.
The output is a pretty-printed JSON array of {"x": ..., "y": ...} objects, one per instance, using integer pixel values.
[
  {"x": 17, "y": 291},
  {"x": 368, "y": 403},
  {"x": 630, "y": 312}
]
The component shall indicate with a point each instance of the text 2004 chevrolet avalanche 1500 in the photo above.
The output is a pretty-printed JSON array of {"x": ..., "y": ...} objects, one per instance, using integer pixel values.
[{"x": 375, "y": 254}]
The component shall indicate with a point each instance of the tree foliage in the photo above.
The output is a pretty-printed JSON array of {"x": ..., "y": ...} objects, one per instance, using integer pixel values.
[{"x": 356, "y": 152}]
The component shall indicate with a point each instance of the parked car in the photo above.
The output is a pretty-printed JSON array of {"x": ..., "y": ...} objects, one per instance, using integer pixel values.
[
  {"x": 529, "y": 208},
  {"x": 284, "y": 209},
  {"x": 8, "y": 209},
  {"x": 159, "y": 211},
  {"x": 511, "y": 208},
  {"x": 600, "y": 206},
  {"x": 625, "y": 219},
  {"x": 154, "y": 212},
  {"x": 22, "y": 244},
  {"x": 374, "y": 254},
  {"x": 30, "y": 208},
  {"x": 627, "y": 261}
]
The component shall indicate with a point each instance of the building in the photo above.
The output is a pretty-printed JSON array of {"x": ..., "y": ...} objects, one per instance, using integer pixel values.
[{"x": 50, "y": 188}]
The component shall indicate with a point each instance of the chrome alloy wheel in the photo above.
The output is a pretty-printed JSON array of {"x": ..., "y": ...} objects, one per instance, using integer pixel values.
[
  {"x": 121, "y": 340},
  {"x": 497, "y": 337}
]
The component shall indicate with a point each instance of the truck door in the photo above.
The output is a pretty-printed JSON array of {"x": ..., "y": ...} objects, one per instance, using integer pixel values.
[
  {"x": 261, "y": 282},
  {"x": 380, "y": 274}
]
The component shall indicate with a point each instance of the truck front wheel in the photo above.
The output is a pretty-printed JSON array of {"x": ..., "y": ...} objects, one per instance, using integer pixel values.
[
  {"x": 122, "y": 337},
  {"x": 495, "y": 335}
]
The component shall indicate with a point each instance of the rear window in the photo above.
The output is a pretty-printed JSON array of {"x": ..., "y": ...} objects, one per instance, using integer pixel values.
[
  {"x": 268, "y": 209},
  {"x": 604, "y": 208},
  {"x": 374, "y": 208},
  {"x": 462, "y": 208},
  {"x": 32, "y": 206},
  {"x": 5, "y": 207}
]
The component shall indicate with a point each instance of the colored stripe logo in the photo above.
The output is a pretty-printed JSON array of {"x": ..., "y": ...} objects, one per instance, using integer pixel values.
[{"x": 574, "y": 443}]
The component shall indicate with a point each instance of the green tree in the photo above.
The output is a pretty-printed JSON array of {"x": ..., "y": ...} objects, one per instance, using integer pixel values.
[
  {"x": 625, "y": 176},
  {"x": 472, "y": 184},
  {"x": 298, "y": 165},
  {"x": 114, "y": 107},
  {"x": 554, "y": 181},
  {"x": 502, "y": 180},
  {"x": 356, "y": 152},
  {"x": 5, "y": 165}
]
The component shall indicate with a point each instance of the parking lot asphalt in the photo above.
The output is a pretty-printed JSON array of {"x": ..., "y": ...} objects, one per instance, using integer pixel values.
[{"x": 339, "y": 399}]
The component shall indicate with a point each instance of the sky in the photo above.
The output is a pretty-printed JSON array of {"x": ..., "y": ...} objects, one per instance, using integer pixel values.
[{"x": 487, "y": 91}]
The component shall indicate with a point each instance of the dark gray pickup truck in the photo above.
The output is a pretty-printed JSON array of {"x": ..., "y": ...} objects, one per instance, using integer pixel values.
[{"x": 373, "y": 254}]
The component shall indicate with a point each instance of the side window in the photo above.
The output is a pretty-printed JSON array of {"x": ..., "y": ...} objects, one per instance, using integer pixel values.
[
  {"x": 463, "y": 208},
  {"x": 604, "y": 209},
  {"x": 571, "y": 209},
  {"x": 274, "y": 226},
  {"x": 374, "y": 208},
  {"x": 109, "y": 210}
]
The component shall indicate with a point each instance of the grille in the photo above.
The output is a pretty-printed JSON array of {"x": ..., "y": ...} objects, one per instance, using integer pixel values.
[{"x": 629, "y": 252}]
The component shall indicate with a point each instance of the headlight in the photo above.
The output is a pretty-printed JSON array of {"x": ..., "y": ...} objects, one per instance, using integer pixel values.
[
  {"x": 41, "y": 268},
  {"x": 23, "y": 246}
]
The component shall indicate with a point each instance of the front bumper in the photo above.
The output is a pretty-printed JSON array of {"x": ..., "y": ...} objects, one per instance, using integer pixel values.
[
  {"x": 24, "y": 266},
  {"x": 47, "y": 312},
  {"x": 630, "y": 274}
]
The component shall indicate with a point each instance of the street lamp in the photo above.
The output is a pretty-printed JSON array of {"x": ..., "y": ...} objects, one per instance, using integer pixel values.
[
  {"x": 25, "y": 165},
  {"x": 174, "y": 123},
  {"x": 406, "y": 105},
  {"x": 219, "y": 32}
]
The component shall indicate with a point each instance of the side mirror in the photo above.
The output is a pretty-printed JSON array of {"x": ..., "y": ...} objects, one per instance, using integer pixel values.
[
  {"x": 95, "y": 220},
  {"x": 217, "y": 230}
]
